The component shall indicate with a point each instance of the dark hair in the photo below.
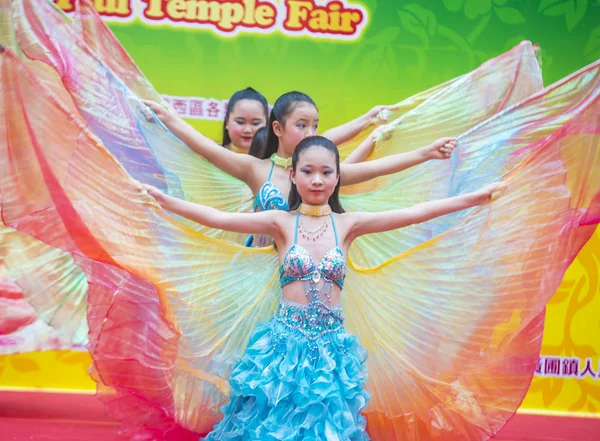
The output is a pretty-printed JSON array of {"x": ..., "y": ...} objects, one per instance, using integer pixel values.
[
  {"x": 247, "y": 94},
  {"x": 259, "y": 141},
  {"x": 282, "y": 108},
  {"x": 294, "y": 198}
]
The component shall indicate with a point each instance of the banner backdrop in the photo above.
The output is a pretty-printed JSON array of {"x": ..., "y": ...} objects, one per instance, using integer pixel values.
[{"x": 350, "y": 55}]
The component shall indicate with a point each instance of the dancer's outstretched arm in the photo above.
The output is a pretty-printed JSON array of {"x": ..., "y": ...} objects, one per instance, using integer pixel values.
[
  {"x": 364, "y": 149},
  {"x": 367, "y": 223},
  {"x": 354, "y": 173},
  {"x": 264, "y": 222},
  {"x": 345, "y": 132},
  {"x": 237, "y": 165}
]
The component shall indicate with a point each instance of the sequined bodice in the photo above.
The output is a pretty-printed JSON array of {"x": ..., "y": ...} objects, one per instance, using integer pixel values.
[
  {"x": 298, "y": 264},
  {"x": 269, "y": 197}
]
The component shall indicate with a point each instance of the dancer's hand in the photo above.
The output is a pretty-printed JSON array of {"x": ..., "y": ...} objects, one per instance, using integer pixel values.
[
  {"x": 154, "y": 192},
  {"x": 490, "y": 193},
  {"x": 381, "y": 133},
  {"x": 380, "y": 114},
  {"x": 167, "y": 115},
  {"x": 151, "y": 190},
  {"x": 442, "y": 148}
]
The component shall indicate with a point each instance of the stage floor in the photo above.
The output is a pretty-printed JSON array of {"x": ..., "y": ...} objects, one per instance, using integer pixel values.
[{"x": 45, "y": 416}]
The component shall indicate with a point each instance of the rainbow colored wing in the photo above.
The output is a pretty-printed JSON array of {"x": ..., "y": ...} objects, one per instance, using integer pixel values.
[
  {"x": 394, "y": 113},
  {"x": 454, "y": 325},
  {"x": 94, "y": 32},
  {"x": 169, "y": 311},
  {"x": 148, "y": 151},
  {"x": 496, "y": 84},
  {"x": 42, "y": 294},
  {"x": 475, "y": 97},
  {"x": 43, "y": 291},
  {"x": 466, "y": 308},
  {"x": 516, "y": 76}
]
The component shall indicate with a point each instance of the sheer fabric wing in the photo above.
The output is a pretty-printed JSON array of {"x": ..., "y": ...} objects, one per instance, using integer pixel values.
[
  {"x": 454, "y": 325},
  {"x": 64, "y": 188},
  {"x": 475, "y": 97},
  {"x": 387, "y": 116},
  {"x": 147, "y": 150},
  {"x": 94, "y": 32},
  {"x": 43, "y": 290},
  {"x": 48, "y": 309}
]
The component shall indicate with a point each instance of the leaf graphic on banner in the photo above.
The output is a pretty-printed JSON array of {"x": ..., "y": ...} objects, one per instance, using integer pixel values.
[
  {"x": 580, "y": 403},
  {"x": 549, "y": 394},
  {"x": 461, "y": 44},
  {"x": 585, "y": 351},
  {"x": 510, "y": 15},
  {"x": 453, "y": 5},
  {"x": 374, "y": 57},
  {"x": 591, "y": 51},
  {"x": 577, "y": 14},
  {"x": 419, "y": 21},
  {"x": 475, "y": 8},
  {"x": 23, "y": 363},
  {"x": 556, "y": 7},
  {"x": 574, "y": 10},
  {"x": 455, "y": 38},
  {"x": 387, "y": 36},
  {"x": 561, "y": 294},
  {"x": 475, "y": 33}
]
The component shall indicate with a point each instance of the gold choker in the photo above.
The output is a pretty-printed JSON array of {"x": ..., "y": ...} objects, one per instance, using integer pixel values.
[
  {"x": 314, "y": 210},
  {"x": 281, "y": 162},
  {"x": 235, "y": 149}
]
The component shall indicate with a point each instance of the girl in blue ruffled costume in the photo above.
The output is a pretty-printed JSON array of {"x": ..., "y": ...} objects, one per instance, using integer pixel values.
[
  {"x": 294, "y": 117},
  {"x": 302, "y": 376}
]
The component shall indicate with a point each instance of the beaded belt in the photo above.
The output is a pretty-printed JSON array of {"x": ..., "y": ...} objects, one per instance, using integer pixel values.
[{"x": 313, "y": 320}]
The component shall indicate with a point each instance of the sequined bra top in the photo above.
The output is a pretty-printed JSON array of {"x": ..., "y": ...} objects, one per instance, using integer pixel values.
[
  {"x": 298, "y": 264},
  {"x": 269, "y": 197}
]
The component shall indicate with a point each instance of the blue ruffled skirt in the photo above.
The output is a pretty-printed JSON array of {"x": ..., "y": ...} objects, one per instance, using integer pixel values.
[{"x": 293, "y": 385}]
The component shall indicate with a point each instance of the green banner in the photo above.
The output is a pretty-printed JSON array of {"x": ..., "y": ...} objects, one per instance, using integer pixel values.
[{"x": 348, "y": 55}]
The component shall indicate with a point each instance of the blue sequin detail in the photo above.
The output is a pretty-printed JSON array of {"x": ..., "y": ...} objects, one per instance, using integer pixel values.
[
  {"x": 313, "y": 320},
  {"x": 269, "y": 197},
  {"x": 298, "y": 264}
]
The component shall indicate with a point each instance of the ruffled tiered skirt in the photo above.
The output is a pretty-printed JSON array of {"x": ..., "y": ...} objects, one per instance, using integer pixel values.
[{"x": 287, "y": 386}]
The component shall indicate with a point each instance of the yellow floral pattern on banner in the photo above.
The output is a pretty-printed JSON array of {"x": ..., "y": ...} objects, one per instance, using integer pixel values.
[{"x": 571, "y": 333}]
